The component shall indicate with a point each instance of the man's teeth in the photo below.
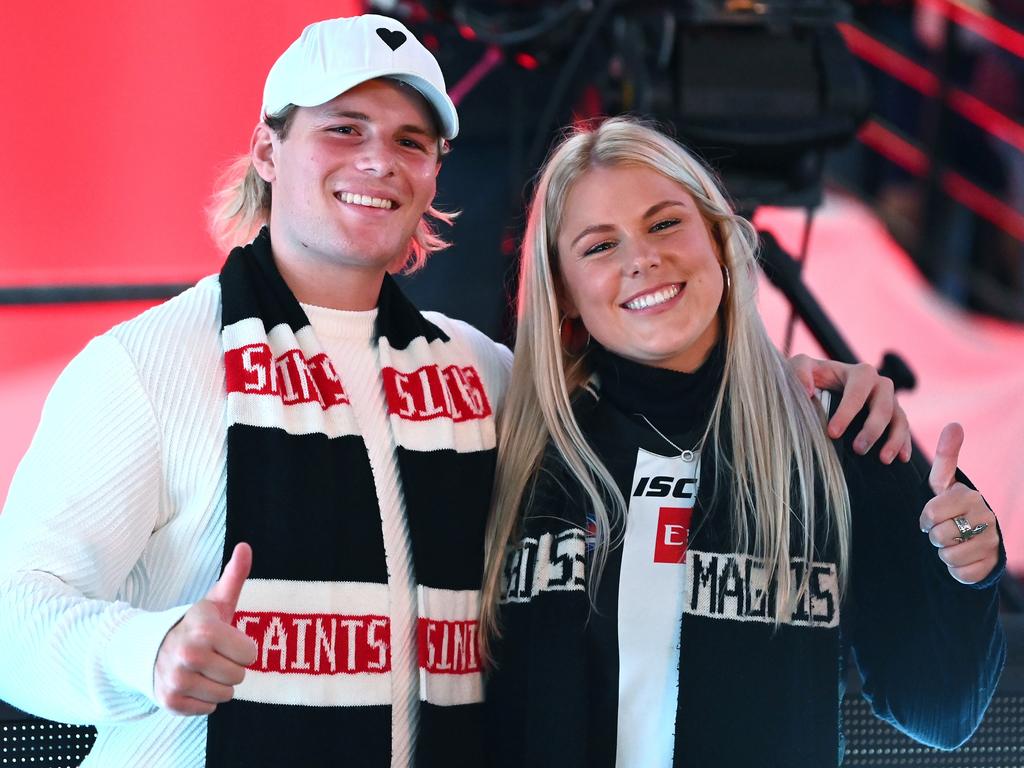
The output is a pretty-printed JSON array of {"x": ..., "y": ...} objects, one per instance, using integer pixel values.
[
  {"x": 653, "y": 299},
  {"x": 372, "y": 202}
]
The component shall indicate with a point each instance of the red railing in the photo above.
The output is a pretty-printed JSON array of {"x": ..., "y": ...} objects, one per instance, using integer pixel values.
[{"x": 912, "y": 158}]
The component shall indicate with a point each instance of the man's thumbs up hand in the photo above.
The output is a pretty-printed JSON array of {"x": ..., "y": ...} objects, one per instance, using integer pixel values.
[
  {"x": 204, "y": 656},
  {"x": 224, "y": 593}
]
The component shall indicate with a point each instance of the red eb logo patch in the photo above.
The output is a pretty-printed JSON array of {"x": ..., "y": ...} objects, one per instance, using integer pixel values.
[{"x": 673, "y": 534}]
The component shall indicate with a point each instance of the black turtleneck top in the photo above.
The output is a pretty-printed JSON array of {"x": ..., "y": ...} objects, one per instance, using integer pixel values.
[{"x": 676, "y": 403}]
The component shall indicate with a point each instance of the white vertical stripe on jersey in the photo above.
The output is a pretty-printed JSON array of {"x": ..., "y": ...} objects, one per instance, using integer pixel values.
[{"x": 650, "y": 609}]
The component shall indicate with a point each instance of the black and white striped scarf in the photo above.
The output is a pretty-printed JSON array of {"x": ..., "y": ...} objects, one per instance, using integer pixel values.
[{"x": 301, "y": 492}]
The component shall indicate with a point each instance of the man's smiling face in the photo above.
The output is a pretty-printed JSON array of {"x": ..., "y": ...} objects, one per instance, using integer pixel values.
[{"x": 353, "y": 177}]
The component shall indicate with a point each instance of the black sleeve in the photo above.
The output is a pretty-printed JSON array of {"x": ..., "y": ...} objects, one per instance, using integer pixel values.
[{"x": 929, "y": 649}]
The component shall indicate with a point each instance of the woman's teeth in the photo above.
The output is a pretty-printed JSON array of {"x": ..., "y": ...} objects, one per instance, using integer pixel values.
[
  {"x": 372, "y": 202},
  {"x": 654, "y": 299}
]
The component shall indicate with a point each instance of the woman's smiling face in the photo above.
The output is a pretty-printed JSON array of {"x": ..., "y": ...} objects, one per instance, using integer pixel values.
[{"x": 639, "y": 267}]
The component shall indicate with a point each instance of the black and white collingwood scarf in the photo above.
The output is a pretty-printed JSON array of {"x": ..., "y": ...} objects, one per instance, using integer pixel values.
[{"x": 301, "y": 492}]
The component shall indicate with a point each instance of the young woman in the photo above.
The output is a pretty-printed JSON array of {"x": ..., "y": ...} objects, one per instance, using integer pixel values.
[{"x": 681, "y": 563}]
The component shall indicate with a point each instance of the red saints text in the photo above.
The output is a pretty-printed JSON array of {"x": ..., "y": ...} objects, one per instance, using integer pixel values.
[
  {"x": 252, "y": 369},
  {"x": 318, "y": 644},
  {"x": 431, "y": 392},
  {"x": 448, "y": 647}
]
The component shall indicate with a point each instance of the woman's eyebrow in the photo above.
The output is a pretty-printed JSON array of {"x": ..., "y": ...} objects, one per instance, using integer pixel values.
[
  {"x": 591, "y": 229},
  {"x": 657, "y": 207}
]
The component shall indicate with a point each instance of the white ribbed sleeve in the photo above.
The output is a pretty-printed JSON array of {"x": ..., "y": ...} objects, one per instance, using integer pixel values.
[
  {"x": 113, "y": 526},
  {"x": 96, "y": 455}
]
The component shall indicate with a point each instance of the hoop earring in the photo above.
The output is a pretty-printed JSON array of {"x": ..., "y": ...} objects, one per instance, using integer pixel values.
[
  {"x": 570, "y": 334},
  {"x": 727, "y": 276}
]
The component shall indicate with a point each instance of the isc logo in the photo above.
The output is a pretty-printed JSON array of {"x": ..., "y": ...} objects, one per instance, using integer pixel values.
[{"x": 661, "y": 486}]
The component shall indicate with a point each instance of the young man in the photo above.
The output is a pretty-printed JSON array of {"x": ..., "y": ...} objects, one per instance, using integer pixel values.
[{"x": 295, "y": 434}]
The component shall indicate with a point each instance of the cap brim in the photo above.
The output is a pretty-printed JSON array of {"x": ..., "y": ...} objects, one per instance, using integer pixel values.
[{"x": 438, "y": 100}]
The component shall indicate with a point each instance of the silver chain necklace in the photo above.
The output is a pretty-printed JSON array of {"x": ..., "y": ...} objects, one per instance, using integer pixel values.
[{"x": 685, "y": 454}]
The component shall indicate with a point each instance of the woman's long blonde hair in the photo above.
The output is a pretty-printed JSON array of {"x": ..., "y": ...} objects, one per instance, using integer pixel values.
[
  {"x": 778, "y": 445},
  {"x": 240, "y": 204}
]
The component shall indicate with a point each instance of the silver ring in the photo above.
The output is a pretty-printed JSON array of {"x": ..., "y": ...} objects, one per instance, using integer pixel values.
[
  {"x": 974, "y": 531},
  {"x": 963, "y": 525},
  {"x": 970, "y": 533}
]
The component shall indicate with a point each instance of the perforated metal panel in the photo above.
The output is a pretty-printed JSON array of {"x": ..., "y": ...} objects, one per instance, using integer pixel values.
[
  {"x": 998, "y": 743},
  {"x": 42, "y": 743},
  {"x": 870, "y": 743}
]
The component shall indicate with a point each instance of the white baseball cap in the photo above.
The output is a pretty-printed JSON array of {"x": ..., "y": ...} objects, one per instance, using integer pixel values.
[{"x": 332, "y": 56}]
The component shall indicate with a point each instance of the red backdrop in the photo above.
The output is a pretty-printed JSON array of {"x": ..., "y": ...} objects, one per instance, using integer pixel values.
[{"x": 118, "y": 116}]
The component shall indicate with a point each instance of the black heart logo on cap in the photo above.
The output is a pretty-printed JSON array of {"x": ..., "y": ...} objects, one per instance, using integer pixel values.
[{"x": 391, "y": 37}]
